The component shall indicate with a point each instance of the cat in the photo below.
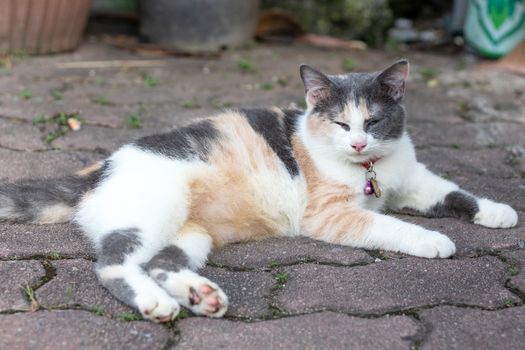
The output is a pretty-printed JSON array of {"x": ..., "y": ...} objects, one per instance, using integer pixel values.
[{"x": 157, "y": 206}]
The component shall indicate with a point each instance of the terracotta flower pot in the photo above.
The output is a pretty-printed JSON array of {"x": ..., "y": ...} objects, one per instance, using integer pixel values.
[{"x": 42, "y": 26}]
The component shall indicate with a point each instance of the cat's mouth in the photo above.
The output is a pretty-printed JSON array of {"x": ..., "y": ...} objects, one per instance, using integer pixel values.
[{"x": 362, "y": 157}]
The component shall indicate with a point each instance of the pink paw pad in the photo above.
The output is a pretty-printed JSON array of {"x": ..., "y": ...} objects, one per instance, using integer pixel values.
[{"x": 206, "y": 293}]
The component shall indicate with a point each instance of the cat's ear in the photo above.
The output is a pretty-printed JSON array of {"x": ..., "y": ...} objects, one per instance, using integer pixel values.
[
  {"x": 392, "y": 80},
  {"x": 317, "y": 86}
]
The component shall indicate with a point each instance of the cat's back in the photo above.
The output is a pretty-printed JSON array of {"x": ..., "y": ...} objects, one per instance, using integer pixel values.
[{"x": 258, "y": 137}]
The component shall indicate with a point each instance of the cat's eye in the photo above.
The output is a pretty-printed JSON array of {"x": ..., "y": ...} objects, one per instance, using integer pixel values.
[
  {"x": 345, "y": 126},
  {"x": 372, "y": 122}
]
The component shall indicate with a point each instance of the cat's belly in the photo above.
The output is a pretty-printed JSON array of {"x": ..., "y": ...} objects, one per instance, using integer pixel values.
[{"x": 236, "y": 205}]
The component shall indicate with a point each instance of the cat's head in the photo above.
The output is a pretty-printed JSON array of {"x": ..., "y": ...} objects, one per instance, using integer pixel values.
[{"x": 357, "y": 116}]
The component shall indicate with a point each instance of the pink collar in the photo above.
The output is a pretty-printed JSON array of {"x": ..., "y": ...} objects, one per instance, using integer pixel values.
[{"x": 370, "y": 163}]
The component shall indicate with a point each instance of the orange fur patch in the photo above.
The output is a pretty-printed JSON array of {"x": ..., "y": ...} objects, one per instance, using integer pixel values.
[
  {"x": 320, "y": 127},
  {"x": 362, "y": 108},
  {"x": 223, "y": 200},
  {"x": 89, "y": 170},
  {"x": 330, "y": 214}
]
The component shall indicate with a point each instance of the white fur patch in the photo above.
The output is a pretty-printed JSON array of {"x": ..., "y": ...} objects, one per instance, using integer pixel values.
[
  {"x": 145, "y": 190},
  {"x": 421, "y": 189},
  {"x": 495, "y": 215},
  {"x": 196, "y": 246},
  {"x": 392, "y": 234}
]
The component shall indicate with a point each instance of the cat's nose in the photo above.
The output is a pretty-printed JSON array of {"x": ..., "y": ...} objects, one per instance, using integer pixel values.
[{"x": 358, "y": 146}]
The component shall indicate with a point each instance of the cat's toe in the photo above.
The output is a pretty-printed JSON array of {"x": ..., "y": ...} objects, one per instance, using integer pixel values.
[
  {"x": 495, "y": 215},
  {"x": 157, "y": 308},
  {"x": 208, "y": 299},
  {"x": 433, "y": 245}
]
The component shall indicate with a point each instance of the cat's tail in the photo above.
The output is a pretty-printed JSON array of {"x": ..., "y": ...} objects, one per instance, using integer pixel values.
[{"x": 47, "y": 201}]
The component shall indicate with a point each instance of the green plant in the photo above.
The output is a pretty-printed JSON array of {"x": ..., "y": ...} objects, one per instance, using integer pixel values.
[
  {"x": 445, "y": 176},
  {"x": 100, "y": 81},
  {"x": 59, "y": 122},
  {"x": 455, "y": 146},
  {"x": 57, "y": 94},
  {"x": 245, "y": 65},
  {"x": 428, "y": 73},
  {"x": 30, "y": 294},
  {"x": 464, "y": 107},
  {"x": 55, "y": 255},
  {"x": 191, "y": 104},
  {"x": 282, "y": 81},
  {"x": 99, "y": 310},
  {"x": 149, "y": 80},
  {"x": 508, "y": 303},
  {"x": 349, "y": 64},
  {"x": 281, "y": 277},
  {"x": 25, "y": 94},
  {"x": 266, "y": 86},
  {"x": 40, "y": 118},
  {"x": 135, "y": 120},
  {"x": 6, "y": 70},
  {"x": 183, "y": 313},
  {"x": 101, "y": 100},
  {"x": 513, "y": 270},
  {"x": 128, "y": 316},
  {"x": 461, "y": 65}
]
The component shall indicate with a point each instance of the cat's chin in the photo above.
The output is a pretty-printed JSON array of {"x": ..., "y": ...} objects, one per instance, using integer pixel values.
[{"x": 362, "y": 158}]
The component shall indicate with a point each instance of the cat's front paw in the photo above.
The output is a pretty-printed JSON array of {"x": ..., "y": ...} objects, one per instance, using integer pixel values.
[
  {"x": 495, "y": 215},
  {"x": 432, "y": 244}
]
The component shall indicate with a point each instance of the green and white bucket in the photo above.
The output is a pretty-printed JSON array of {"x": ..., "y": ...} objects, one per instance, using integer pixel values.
[{"x": 495, "y": 27}]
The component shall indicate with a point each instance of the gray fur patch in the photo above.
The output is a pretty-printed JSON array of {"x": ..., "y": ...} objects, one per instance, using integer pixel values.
[
  {"x": 456, "y": 204},
  {"x": 276, "y": 132},
  {"x": 116, "y": 245},
  {"x": 121, "y": 290},
  {"x": 171, "y": 258},
  {"x": 6, "y": 208},
  {"x": 26, "y": 199},
  {"x": 161, "y": 277},
  {"x": 192, "y": 141},
  {"x": 388, "y": 123}
]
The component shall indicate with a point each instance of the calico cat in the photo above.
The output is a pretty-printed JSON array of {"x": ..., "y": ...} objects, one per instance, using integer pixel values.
[{"x": 157, "y": 206}]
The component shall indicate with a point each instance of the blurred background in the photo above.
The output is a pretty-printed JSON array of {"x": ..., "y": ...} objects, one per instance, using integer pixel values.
[
  {"x": 91, "y": 75},
  {"x": 489, "y": 28}
]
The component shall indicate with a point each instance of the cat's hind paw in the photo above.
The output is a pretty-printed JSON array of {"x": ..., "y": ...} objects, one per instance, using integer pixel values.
[
  {"x": 197, "y": 293},
  {"x": 208, "y": 299},
  {"x": 157, "y": 308},
  {"x": 495, "y": 215}
]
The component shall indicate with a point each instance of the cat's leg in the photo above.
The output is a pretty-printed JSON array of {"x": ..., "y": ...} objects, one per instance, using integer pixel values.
[
  {"x": 434, "y": 196},
  {"x": 342, "y": 223},
  {"x": 120, "y": 256},
  {"x": 172, "y": 268}
]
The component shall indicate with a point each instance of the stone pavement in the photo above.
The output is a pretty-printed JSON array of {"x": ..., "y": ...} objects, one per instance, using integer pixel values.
[{"x": 468, "y": 125}]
